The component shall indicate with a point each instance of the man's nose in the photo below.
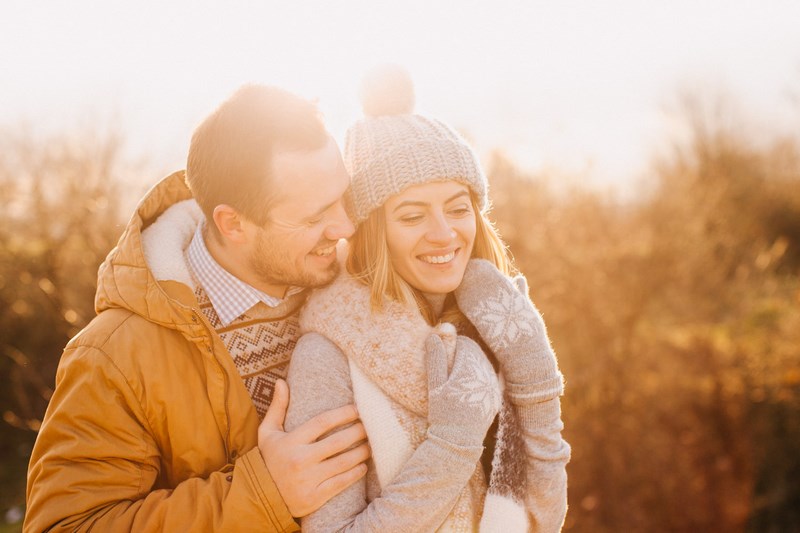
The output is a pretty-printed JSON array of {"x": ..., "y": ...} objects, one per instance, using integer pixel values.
[{"x": 341, "y": 226}]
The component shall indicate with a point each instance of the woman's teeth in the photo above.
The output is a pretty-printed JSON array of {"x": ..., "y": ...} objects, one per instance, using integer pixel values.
[
  {"x": 437, "y": 259},
  {"x": 326, "y": 251}
]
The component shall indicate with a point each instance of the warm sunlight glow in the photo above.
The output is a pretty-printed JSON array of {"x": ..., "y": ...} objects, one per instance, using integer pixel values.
[
  {"x": 643, "y": 161},
  {"x": 568, "y": 87}
]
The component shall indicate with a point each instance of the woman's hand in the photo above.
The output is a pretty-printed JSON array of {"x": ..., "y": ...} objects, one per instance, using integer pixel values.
[
  {"x": 513, "y": 329},
  {"x": 461, "y": 406},
  {"x": 508, "y": 322}
]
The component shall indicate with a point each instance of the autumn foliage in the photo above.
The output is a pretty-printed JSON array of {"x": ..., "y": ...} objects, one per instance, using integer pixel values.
[{"x": 675, "y": 317}]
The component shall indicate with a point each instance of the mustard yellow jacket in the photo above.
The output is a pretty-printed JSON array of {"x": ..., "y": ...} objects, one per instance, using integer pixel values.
[{"x": 150, "y": 427}]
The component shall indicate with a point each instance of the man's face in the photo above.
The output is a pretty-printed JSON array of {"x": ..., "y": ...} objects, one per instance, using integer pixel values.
[{"x": 297, "y": 246}]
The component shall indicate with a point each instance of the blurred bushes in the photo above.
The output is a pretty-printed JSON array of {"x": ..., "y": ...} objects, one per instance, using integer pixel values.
[
  {"x": 676, "y": 318},
  {"x": 59, "y": 220},
  {"x": 677, "y": 324}
]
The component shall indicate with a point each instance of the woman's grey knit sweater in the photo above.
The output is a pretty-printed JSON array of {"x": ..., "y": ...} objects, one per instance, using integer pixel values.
[{"x": 425, "y": 490}]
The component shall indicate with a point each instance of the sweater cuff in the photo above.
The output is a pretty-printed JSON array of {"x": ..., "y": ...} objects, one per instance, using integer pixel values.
[
  {"x": 448, "y": 451},
  {"x": 531, "y": 393},
  {"x": 266, "y": 491},
  {"x": 542, "y": 421}
]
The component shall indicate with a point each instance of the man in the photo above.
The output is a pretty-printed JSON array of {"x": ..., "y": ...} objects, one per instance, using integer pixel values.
[{"x": 156, "y": 419}]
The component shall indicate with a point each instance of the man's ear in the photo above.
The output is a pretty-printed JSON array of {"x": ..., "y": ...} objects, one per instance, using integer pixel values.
[{"x": 230, "y": 224}]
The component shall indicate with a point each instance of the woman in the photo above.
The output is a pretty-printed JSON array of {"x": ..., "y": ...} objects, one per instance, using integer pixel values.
[{"x": 397, "y": 333}]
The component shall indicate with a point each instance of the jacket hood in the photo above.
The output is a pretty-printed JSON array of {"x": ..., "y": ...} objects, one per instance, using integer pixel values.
[{"x": 147, "y": 279}]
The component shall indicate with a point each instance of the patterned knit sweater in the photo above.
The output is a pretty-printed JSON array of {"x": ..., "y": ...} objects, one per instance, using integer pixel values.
[{"x": 260, "y": 341}]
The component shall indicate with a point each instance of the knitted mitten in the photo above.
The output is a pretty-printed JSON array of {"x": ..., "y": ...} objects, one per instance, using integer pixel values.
[
  {"x": 461, "y": 406},
  {"x": 511, "y": 326}
]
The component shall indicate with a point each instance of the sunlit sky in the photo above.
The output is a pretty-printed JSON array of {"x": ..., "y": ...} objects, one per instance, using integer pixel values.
[{"x": 579, "y": 88}]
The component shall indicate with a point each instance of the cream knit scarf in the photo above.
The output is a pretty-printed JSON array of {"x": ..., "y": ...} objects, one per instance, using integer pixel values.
[{"x": 387, "y": 366}]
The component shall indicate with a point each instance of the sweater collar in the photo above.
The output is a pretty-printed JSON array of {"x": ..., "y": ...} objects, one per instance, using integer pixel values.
[{"x": 230, "y": 296}]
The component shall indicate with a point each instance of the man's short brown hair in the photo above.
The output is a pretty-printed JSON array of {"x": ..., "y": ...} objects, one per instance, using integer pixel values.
[{"x": 230, "y": 156}]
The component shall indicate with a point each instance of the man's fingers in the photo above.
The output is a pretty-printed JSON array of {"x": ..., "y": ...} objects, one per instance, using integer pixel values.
[
  {"x": 336, "y": 484},
  {"x": 339, "y": 441},
  {"x": 276, "y": 412},
  {"x": 344, "y": 461},
  {"x": 314, "y": 428}
]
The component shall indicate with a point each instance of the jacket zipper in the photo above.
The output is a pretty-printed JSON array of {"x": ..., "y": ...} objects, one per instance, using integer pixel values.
[{"x": 210, "y": 333}]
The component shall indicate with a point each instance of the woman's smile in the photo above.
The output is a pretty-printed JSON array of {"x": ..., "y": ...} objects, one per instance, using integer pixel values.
[{"x": 430, "y": 232}]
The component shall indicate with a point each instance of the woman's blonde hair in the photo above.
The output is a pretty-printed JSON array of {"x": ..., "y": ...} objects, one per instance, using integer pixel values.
[{"x": 368, "y": 261}]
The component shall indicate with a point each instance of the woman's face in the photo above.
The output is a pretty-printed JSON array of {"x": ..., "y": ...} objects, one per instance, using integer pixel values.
[{"x": 430, "y": 231}]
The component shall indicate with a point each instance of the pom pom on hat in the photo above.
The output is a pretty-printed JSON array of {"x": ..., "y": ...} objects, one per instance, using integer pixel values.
[
  {"x": 387, "y": 90},
  {"x": 391, "y": 149}
]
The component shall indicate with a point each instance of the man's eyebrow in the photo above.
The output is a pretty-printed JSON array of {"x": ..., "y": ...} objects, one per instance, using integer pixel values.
[{"x": 419, "y": 203}]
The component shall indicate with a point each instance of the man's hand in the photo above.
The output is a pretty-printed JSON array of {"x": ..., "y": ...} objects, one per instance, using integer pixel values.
[{"x": 309, "y": 472}]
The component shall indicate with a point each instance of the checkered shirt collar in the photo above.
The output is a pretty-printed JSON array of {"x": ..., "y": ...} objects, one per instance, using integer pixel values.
[{"x": 229, "y": 295}]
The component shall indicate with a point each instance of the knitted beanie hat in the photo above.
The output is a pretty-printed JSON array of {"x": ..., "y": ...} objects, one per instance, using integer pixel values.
[{"x": 392, "y": 149}]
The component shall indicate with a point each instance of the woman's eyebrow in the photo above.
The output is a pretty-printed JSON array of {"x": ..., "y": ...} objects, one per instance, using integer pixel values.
[
  {"x": 457, "y": 195},
  {"x": 410, "y": 202},
  {"x": 420, "y": 203}
]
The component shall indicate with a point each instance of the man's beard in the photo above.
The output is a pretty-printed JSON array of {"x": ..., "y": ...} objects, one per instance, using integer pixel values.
[{"x": 272, "y": 267}]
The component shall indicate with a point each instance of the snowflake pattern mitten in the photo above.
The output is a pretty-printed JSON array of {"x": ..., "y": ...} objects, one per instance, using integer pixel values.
[
  {"x": 509, "y": 323},
  {"x": 462, "y": 405}
]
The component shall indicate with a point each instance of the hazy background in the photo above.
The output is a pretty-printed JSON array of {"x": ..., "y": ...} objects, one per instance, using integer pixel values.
[
  {"x": 585, "y": 88},
  {"x": 644, "y": 165}
]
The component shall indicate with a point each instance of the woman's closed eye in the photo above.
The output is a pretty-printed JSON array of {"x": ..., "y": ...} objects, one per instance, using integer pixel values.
[
  {"x": 460, "y": 210},
  {"x": 411, "y": 218}
]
